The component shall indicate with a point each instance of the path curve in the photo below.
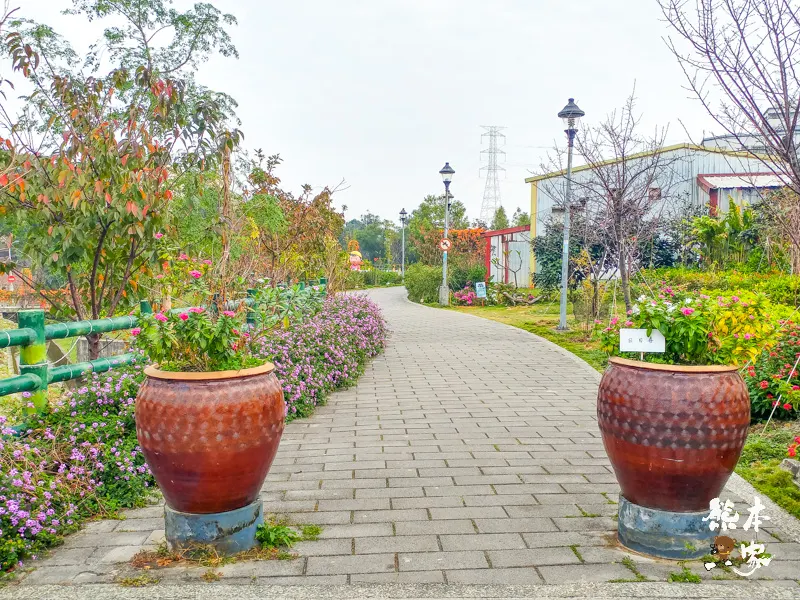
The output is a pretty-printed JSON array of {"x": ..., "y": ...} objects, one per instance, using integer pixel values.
[{"x": 468, "y": 453}]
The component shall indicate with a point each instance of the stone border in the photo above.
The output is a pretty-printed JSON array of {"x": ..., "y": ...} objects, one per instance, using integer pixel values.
[{"x": 221, "y": 591}]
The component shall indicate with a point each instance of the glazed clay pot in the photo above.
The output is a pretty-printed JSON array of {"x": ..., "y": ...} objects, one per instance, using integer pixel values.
[
  {"x": 210, "y": 438},
  {"x": 673, "y": 433}
]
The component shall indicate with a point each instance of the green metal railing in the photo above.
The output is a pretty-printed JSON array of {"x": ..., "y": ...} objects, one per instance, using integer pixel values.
[{"x": 32, "y": 336}]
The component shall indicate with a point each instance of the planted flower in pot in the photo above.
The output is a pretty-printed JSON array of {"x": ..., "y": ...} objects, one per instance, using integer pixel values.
[
  {"x": 674, "y": 425},
  {"x": 209, "y": 419}
]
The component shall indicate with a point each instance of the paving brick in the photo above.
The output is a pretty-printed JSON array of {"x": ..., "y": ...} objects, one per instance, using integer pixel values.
[
  {"x": 68, "y": 556},
  {"x": 562, "y": 574},
  {"x": 355, "y": 504},
  {"x": 459, "y": 490},
  {"x": 402, "y": 577},
  {"x": 468, "y": 512},
  {"x": 263, "y": 568},
  {"x": 500, "y": 500},
  {"x": 448, "y": 526},
  {"x": 320, "y": 518},
  {"x": 437, "y": 561},
  {"x": 356, "y": 531},
  {"x": 427, "y": 502},
  {"x": 328, "y": 547},
  {"x": 364, "y": 563},
  {"x": 119, "y": 554},
  {"x": 389, "y": 516},
  {"x": 532, "y": 557},
  {"x": 586, "y": 523},
  {"x": 137, "y": 525},
  {"x": 399, "y": 543},
  {"x": 482, "y": 541},
  {"x": 521, "y": 525},
  {"x": 95, "y": 540},
  {"x": 494, "y": 576}
]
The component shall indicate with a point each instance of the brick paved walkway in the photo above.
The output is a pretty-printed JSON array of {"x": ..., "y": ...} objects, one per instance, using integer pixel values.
[{"x": 467, "y": 454}]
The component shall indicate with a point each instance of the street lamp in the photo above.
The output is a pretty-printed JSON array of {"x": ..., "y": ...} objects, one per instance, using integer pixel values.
[
  {"x": 570, "y": 114},
  {"x": 447, "y": 176},
  {"x": 403, "y": 220}
]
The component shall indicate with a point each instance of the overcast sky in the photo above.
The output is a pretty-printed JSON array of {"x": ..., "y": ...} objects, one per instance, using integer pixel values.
[{"x": 383, "y": 92}]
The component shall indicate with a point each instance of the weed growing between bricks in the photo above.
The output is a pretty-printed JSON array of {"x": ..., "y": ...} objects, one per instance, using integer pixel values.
[{"x": 276, "y": 540}]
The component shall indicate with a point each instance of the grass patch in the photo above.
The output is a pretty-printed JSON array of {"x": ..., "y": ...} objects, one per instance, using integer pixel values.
[
  {"x": 211, "y": 575},
  {"x": 310, "y": 532},
  {"x": 760, "y": 464},
  {"x": 628, "y": 563},
  {"x": 587, "y": 514},
  {"x": 542, "y": 320},
  {"x": 577, "y": 552},
  {"x": 684, "y": 576},
  {"x": 138, "y": 581}
]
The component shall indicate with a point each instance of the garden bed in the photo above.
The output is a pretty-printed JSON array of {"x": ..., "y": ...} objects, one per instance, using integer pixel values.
[{"x": 82, "y": 459}]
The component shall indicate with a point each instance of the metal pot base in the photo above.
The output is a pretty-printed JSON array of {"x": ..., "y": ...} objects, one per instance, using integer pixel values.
[
  {"x": 229, "y": 532},
  {"x": 664, "y": 534}
]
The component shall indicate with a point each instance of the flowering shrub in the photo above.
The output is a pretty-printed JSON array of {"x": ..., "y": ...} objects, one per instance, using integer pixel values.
[
  {"x": 327, "y": 351},
  {"x": 792, "y": 450},
  {"x": 773, "y": 379},
  {"x": 466, "y": 297},
  {"x": 699, "y": 330},
  {"x": 79, "y": 460},
  {"x": 196, "y": 340}
]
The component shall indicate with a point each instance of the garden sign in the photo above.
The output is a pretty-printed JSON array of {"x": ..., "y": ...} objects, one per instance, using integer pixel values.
[
  {"x": 480, "y": 289},
  {"x": 637, "y": 340}
]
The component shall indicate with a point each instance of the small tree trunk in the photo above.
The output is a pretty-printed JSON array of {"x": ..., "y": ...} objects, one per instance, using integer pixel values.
[
  {"x": 93, "y": 340},
  {"x": 623, "y": 276}
]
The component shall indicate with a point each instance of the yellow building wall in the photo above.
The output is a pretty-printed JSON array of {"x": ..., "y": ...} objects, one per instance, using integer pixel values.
[{"x": 534, "y": 218}]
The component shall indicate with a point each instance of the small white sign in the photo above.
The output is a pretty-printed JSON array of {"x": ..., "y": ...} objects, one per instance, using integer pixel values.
[
  {"x": 480, "y": 289},
  {"x": 637, "y": 340}
]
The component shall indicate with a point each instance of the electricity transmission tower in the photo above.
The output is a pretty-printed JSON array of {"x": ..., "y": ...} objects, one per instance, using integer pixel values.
[{"x": 491, "y": 193}]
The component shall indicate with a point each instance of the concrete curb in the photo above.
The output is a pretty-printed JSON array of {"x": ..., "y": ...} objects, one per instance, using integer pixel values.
[{"x": 250, "y": 591}]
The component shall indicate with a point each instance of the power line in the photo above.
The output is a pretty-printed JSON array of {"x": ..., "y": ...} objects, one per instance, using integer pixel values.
[{"x": 491, "y": 192}]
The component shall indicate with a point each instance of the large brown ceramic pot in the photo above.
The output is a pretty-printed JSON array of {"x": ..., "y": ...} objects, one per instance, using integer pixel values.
[
  {"x": 673, "y": 433},
  {"x": 210, "y": 438}
]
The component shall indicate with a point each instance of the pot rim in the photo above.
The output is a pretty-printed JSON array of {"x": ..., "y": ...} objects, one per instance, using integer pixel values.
[
  {"x": 627, "y": 362},
  {"x": 156, "y": 373}
]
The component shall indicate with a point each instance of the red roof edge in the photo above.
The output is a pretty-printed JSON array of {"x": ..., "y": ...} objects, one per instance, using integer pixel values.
[{"x": 504, "y": 231}]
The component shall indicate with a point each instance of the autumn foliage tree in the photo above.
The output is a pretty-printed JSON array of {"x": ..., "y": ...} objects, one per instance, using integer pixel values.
[
  {"x": 90, "y": 163},
  {"x": 294, "y": 234}
]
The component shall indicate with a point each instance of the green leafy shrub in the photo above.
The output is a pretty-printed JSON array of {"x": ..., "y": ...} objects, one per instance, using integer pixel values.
[
  {"x": 271, "y": 535},
  {"x": 422, "y": 282},
  {"x": 460, "y": 277}
]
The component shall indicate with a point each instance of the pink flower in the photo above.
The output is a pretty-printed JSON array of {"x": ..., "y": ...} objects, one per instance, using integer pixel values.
[
  {"x": 787, "y": 406},
  {"x": 764, "y": 385},
  {"x": 628, "y": 323},
  {"x": 136, "y": 331},
  {"x": 228, "y": 313},
  {"x": 161, "y": 317},
  {"x": 158, "y": 235},
  {"x": 614, "y": 321},
  {"x": 196, "y": 310},
  {"x": 183, "y": 316},
  {"x": 208, "y": 262},
  {"x": 160, "y": 276},
  {"x": 747, "y": 336},
  {"x": 687, "y": 311},
  {"x": 183, "y": 257},
  {"x": 734, "y": 298},
  {"x": 196, "y": 274}
]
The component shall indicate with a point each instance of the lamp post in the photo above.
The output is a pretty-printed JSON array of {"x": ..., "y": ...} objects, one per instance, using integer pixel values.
[
  {"x": 403, "y": 220},
  {"x": 447, "y": 176},
  {"x": 570, "y": 114}
]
